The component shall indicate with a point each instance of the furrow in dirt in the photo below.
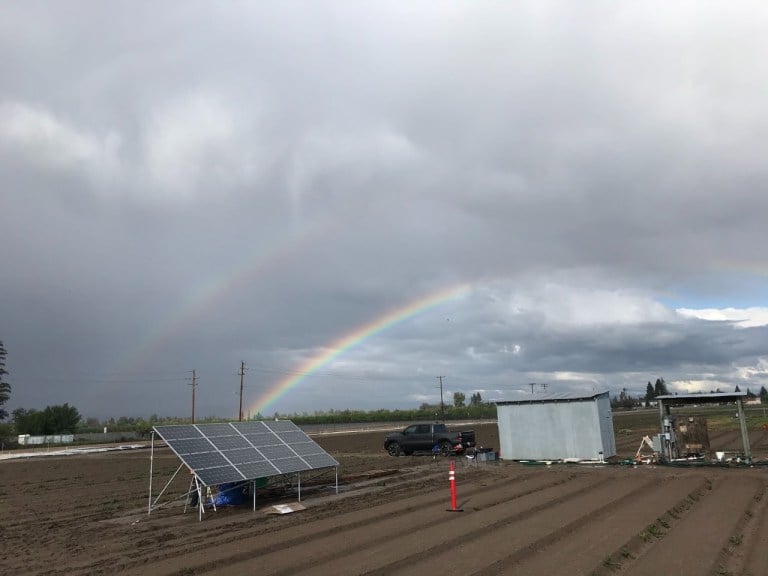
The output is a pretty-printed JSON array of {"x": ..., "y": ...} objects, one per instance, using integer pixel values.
[
  {"x": 602, "y": 538},
  {"x": 747, "y": 549},
  {"x": 329, "y": 535},
  {"x": 694, "y": 544},
  {"x": 323, "y": 507},
  {"x": 453, "y": 529},
  {"x": 216, "y": 527},
  {"x": 513, "y": 537}
]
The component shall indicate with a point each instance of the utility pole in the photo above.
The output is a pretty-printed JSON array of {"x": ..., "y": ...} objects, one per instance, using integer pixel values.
[
  {"x": 194, "y": 385},
  {"x": 442, "y": 404},
  {"x": 242, "y": 373},
  {"x": 532, "y": 384}
]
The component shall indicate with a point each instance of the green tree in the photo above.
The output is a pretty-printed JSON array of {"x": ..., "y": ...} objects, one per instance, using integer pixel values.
[
  {"x": 53, "y": 420},
  {"x": 458, "y": 399},
  {"x": 61, "y": 419},
  {"x": 763, "y": 395},
  {"x": 624, "y": 400},
  {"x": 650, "y": 393},
  {"x": 28, "y": 421},
  {"x": 5, "y": 388},
  {"x": 476, "y": 399},
  {"x": 737, "y": 388},
  {"x": 93, "y": 423},
  {"x": 661, "y": 388}
]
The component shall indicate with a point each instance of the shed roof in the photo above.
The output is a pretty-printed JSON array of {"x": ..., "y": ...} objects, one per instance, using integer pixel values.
[{"x": 553, "y": 397}]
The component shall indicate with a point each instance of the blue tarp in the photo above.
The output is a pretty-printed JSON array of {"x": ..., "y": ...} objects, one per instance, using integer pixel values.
[{"x": 229, "y": 494}]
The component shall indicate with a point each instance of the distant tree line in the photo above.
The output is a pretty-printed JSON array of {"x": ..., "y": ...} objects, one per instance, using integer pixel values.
[
  {"x": 626, "y": 401},
  {"x": 459, "y": 399},
  {"x": 426, "y": 411},
  {"x": 476, "y": 410},
  {"x": 654, "y": 390},
  {"x": 62, "y": 419}
]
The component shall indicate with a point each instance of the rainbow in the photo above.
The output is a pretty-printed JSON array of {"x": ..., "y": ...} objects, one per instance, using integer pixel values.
[
  {"x": 345, "y": 343},
  {"x": 199, "y": 302}
]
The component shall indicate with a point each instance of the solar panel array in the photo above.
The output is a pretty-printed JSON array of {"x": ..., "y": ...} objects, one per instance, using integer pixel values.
[{"x": 238, "y": 451}]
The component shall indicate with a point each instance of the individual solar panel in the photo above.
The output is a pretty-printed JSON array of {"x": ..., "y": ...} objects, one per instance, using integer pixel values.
[
  {"x": 262, "y": 439},
  {"x": 180, "y": 431},
  {"x": 289, "y": 465},
  {"x": 225, "y": 443},
  {"x": 192, "y": 446},
  {"x": 275, "y": 452},
  {"x": 237, "y": 451},
  {"x": 258, "y": 469},
  {"x": 243, "y": 456},
  {"x": 245, "y": 427},
  {"x": 212, "y": 430},
  {"x": 205, "y": 460},
  {"x": 307, "y": 448},
  {"x": 219, "y": 475},
  {"x": 280, "y": 425},
  {"x": 293, "y": 437},
  {"x": 320, "y": 460}
]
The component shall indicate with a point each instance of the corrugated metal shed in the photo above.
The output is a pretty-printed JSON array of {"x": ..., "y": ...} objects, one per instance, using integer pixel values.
[{"x": 556, "y": 426}]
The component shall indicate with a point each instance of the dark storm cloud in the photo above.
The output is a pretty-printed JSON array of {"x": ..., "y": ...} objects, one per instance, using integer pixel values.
[{"x": 192, "y": 187}]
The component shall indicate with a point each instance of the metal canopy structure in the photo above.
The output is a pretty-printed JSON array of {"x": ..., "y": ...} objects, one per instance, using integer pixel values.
[
  {"x": 668, "y": 401},
  {"x": 239, "y": 452}
]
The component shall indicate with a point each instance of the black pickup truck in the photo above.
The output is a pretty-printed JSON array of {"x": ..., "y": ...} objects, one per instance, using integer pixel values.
[{"x": 429, "y": 437}]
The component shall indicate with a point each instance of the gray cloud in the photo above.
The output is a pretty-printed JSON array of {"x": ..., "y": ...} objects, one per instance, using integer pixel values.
[{"x": 192, "y": 188}]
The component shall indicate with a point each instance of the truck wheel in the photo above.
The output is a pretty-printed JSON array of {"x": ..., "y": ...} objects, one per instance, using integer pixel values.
[
  {"x": 446, "y": 448},
  {"x": 394, "y": 449}
]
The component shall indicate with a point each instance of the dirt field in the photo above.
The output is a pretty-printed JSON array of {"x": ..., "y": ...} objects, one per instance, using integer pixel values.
[{"x": 88, "y": 515}]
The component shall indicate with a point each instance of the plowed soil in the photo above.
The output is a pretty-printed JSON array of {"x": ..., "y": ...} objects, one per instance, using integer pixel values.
[{"x": 88, "y": 515}]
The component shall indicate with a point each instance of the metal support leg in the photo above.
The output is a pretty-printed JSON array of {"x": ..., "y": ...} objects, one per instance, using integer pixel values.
[
  {"x": 151, "y": 465},
  {"x": 200, "y": 504},
  {"x": 744, "y": 432}
]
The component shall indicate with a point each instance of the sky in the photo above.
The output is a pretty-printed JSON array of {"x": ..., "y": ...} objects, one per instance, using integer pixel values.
[{"x": 354, "y": 198}]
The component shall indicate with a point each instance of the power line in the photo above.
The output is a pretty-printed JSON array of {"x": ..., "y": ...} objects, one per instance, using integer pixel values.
[{"x": 102, "y": 380}]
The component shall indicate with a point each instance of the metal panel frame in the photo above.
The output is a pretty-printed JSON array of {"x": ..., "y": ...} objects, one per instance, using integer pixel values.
[
  {"x": 271, "y": 444},
  {"x": 258, "y": 449}
]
